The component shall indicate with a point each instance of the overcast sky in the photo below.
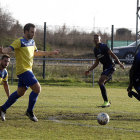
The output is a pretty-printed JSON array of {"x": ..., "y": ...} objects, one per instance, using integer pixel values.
[{"x": 84, "y": 13}]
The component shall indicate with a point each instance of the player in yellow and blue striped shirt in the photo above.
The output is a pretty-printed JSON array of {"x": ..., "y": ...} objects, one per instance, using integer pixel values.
[
  {"x": 4, "y": 74},
  {"x": 25, "y": 49}
]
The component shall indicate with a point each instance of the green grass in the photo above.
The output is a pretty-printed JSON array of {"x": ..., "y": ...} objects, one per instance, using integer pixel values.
[
  {"x": 72, "y": 75},
  {"x": 70, "y": 113},
  {"x": 69, "y": 82}
]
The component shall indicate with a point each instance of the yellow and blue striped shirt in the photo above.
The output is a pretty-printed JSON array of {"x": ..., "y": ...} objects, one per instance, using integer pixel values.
[
  {"x": 24, "y": 53},
  {"x": 3, "y": 76}
]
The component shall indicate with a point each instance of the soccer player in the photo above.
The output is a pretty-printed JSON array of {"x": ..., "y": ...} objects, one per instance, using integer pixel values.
[
  {"x": 4, "y": 74},
  {"x": 103, "y": 55},
  {"x": 134, "y": 76},
  {"x": 25, "y": 50}
]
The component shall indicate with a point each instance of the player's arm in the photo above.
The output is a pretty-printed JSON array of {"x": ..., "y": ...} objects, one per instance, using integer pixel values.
[
  {"x": 6, "y": 88},
  {"x": 116, "y": 58},
  {"x": 93, "y": 67},
  {"x": 5, "y": 50},
  {"x": 44, "y": 53}
]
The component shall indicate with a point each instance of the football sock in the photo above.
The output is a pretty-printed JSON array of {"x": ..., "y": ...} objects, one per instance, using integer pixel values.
[
  {"x": 12, "y": 99},
  {"x": 136, "y": 95},
  {"x": 32, "y": 100},
  {"x": 104, "y": 93}
]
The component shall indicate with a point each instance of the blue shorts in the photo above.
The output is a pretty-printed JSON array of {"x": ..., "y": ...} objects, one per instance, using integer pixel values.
[
  {"x": 26, "y": 79},
  {"x": 109, "y": 71}
]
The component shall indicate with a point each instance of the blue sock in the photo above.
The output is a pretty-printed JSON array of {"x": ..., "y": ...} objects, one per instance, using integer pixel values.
[
  {"x": 104, "y": 93},
  {"x": 12, "y": 99},
  {"x": 32, "y": 100}
]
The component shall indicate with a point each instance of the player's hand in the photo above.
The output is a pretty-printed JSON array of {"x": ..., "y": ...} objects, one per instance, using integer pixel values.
[
  {"x": 122, "y": 66},
  {"x": 87, "y": 72},
  {"x": 129, "y": 88},
  {"x": 1, "y": 48},
  {"x": 56, "y": 51}
]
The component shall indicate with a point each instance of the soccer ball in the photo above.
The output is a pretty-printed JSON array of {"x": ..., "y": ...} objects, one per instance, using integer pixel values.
[{"x": 103, "y": 118}]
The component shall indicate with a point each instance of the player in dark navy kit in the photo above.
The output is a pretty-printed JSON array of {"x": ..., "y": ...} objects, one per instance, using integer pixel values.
[
  {"x": 134, "y": 76},
  {"x": 104, "y": 55}
]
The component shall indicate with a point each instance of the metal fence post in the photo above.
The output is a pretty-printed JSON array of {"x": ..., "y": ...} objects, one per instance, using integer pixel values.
[
  {"x": 93, "y": 77},
  {"x": 112, "y": 37},
  {"x": 44, "y": 49}
]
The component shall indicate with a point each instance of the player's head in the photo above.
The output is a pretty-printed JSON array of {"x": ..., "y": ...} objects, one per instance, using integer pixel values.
[
  {"x": 29, "y": 30},
  {"x": 5, "y": 60},
  {"x": 97, "y": 39}
]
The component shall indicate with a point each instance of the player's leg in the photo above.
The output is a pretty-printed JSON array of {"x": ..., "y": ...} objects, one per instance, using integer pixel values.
[
  {"x": 103, "y": 90},
  {"x": 102, "y": 87},
  {"x": 26, "y": 79},
  {"x": 108, "y": 79},
  {"x": 109, "y": 72},
  {"x": 12, "y": 99},
  {"x": 31, "y": 81},
  {"x": 36, "y": 88},
  {"x": 105, "y": 77},
  {"x": 137, "y": 88}
]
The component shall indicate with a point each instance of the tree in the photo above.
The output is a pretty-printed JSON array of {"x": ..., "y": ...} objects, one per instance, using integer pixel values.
[
  {"x": 6, "y": 21},
  {"x": 123, "y": 31},
  {"x": 16, "y": 30},
  {"x": 7, "y": 27}
]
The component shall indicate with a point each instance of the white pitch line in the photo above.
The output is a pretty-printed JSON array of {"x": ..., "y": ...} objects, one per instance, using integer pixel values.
[{"x": 120, "y": 129}]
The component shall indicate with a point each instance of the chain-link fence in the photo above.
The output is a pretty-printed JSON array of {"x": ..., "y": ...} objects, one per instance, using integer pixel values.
[
  {"x": 74, "y": 43},
  {"x": 68, "y": 71}
]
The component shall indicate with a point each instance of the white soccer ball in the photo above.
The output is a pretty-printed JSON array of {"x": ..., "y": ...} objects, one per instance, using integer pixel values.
[{"x": 103, "y": 118}]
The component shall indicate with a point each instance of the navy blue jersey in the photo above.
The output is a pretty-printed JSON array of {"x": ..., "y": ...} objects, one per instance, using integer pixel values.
[
  {"x": 136, "y": 64},
  {"x": 101, "y": 53}
]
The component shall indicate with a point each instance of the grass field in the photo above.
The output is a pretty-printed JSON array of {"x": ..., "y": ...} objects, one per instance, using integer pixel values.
[{"x": 70, "y": 113}]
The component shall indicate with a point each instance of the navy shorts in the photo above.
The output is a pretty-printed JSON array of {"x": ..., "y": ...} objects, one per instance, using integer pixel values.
[
  {"x": 26, "y": 79},
  {"x": 109, "y": 71}
]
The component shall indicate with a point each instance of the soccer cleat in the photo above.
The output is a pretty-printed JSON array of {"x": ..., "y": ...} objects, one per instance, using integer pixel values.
[
  {"x": 2, "y": 114},
  {"x": 106, "y": 104},
  {"x": 130, "y": 94},
  {"x": 31, "y": 116}
]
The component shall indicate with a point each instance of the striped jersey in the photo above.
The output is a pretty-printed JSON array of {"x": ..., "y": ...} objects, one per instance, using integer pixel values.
[{"x": 24, "y": 53}]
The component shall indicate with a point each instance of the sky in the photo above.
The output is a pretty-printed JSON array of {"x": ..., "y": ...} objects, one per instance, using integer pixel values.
[{"x": 83, "y": 13}]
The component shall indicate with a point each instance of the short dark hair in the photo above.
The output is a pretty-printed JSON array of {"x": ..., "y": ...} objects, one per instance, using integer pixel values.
[
  {"x": 96, "y": 35},
  {"x": 27, "y": 27},
  {"x": 5, "y": 55}
]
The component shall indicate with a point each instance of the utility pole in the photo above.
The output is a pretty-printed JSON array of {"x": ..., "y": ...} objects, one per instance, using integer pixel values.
[
  {"x": 137, "y": 17},
  {"x": 112, "y": 37}
]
